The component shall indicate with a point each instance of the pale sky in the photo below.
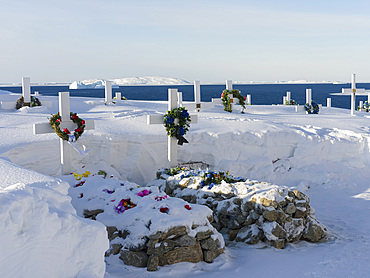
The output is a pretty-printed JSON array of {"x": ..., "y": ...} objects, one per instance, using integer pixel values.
[{"x": 210, "y": 41}]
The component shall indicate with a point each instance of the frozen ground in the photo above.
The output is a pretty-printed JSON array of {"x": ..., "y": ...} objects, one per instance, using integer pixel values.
[{"x": 325, "y": 155}]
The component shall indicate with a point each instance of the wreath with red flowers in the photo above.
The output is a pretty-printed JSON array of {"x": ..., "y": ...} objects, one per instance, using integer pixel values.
[{"x": 55, "y": 121}]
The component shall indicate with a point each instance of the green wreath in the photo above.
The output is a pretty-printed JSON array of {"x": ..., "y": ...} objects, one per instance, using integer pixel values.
[
  {"x": 34, "y": 102},
  {"x": 226, "y": 99},
  {"x": 177, "y": 123},
  {"x": 55, "y": 121},
  {"x": 312, "y": 108}
]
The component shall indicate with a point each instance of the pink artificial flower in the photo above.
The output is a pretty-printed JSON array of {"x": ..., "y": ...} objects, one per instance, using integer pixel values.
[{"x": 143, "y": 193}]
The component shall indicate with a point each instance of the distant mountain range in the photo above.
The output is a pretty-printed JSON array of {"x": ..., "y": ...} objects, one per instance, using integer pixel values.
[{"x": 147, "y": 80}]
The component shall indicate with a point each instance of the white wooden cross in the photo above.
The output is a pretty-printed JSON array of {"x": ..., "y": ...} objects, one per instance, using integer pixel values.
[
  {"x": 108, "y": 91},
  {"x": 197, "y": 105},
  {"x": 66, "y": 122},
  {"x": 26, "y": 93},
  {"x": 308, "y": 96},
  {"x": 159, "y": 119},
  {"x": 26, "y": 90}
]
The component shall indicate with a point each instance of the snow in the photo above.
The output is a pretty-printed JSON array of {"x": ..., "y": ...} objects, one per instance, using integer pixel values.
[
  {"x": 40, "y": 233},
  {"x": 326, "y": 156},
  {"x": 147, "y": 80}
]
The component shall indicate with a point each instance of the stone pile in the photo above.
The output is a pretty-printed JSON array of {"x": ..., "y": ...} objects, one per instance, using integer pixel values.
[
  {"x": 145, "y": 227},
  {"x": 167, "y": 248},
  {"x": 249, "y": 211}
]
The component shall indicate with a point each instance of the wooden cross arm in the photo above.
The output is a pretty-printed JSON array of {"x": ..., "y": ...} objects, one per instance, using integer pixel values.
[
  {"x": 42, "y": 128},
  {"x": 158, "y": 119}
]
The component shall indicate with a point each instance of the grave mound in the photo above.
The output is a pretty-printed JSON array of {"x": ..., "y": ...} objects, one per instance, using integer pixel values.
[
  {"x": 146, "y": 227},
  {"x": 247, "y": 210}
]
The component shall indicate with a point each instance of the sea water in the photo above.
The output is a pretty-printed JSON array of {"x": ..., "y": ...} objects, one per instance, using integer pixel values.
[{"x": 261, "y": 94}]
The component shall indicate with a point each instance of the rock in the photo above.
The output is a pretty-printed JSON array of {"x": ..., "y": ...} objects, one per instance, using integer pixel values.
[
  {"x": 210, "y": 218},
  {"x": 278, "y": 244},
  {"x": 210, "y": 255},
  {"x": 249, "y": 234},
  {"x": 301, "y": 196},
  {"x": 270, "y": 215},
  {"x": 248, "y": 206},
  {"x": 159, "y": 248},
  {"x": 114, "y": 249},
  {"x": 192, "y": 254},
  {"x": 300, "y": 213},
  {"x": 266, "y": 202},
  {"x": 314, "y": 230},
  {"x": 92, "y": 213},
  {"x": 173, "y": 233},
  {"x": 184, "y": 240},
  {"x": 232, "y": 234},
  {"x": 204, "y": 234},
  {"x": 233, "y": 224},
  {"x": 111, "y": 230},
  {"x": 281, "y": 217},
  {"x": 153, "y": 262},
  {"x": 138, "y": 259},
  {"x": 209, "y": 243},
  {"x": 294, "y": 229},
  {"x": 249, "y": 221},
  {"x": 254, "y": 215},
  {"x": 290, "y": 209}
]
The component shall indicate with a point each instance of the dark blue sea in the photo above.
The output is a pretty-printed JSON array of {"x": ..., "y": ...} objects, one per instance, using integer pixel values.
[{"x": 262, "y": 94}]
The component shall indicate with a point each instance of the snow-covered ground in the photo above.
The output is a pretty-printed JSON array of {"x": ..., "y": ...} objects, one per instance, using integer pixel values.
[{"x": 326, "y": 156}]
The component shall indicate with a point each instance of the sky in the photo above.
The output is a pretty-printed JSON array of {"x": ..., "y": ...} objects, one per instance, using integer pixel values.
[{"x": 210, "y": 41}]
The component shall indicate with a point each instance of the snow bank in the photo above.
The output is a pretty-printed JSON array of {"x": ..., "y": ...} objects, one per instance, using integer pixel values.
[{"x": 40, "y": 233}]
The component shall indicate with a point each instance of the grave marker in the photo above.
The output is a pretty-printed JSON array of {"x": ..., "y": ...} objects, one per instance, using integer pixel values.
[
  {"x": 26, "y": 90},
  {"x": 108, "y": 91},
  {"x": 353, "y": 94},
  {"x": 159, "y": 119},
  {"x": 328, "y": 102},
  {"x": 66, "y": 122},
  {"x": 229, "y": 85}
]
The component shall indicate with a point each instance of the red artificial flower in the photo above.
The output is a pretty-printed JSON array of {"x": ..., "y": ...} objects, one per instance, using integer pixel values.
[
  {"x": 66, "y": 131},
  {"x": 222, "y": 94},
  {"x": 78, "y": 129},
  {"x": 164, "y": 210},
  {"x": 245, "y": 98},
  {"x": 82, "y": 122},
  {"x": 75, "y": 117},
  {"x": 58, "y": 120},
  {"x": 81, "y": 195},
  {"x": 188, "y": 207},
  {"x": 80, "y": 183}
]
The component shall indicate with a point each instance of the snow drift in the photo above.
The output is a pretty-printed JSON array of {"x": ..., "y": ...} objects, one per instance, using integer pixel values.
[{"x": 40, "y": 232}]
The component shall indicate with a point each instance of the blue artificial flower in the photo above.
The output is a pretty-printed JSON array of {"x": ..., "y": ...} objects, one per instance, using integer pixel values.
[
  {"x": 211, "y": 185},
  {"x": 169, "y": 120},
  {"x": 184, "y": 113},
  {"x": 209, "y": 175},
  {"x": 181, "y": 131}
]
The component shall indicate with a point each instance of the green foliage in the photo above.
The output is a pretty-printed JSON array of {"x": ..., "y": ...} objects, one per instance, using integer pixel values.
[
  {"x": 102, "y": 173},
  {"x": 177, "y": 122},
  {"x": 226, "y": 99}
]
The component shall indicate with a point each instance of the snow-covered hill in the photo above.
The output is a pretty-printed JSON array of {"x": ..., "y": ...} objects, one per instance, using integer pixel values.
[{"x": 147, "y": 80}]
